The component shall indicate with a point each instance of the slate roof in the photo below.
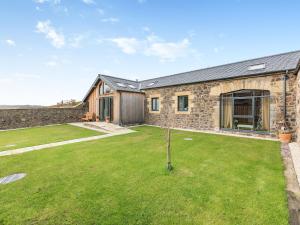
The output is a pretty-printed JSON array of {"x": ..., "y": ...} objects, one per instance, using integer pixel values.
[
  {"x": 129, "y": 85},
  {"x": 268, "y": 64},
  {"x": 274, "y": 63},
  {"x": 113, "y": 83}
]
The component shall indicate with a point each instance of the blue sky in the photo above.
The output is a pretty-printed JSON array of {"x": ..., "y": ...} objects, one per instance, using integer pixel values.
[{"x": 53, "y": 49}]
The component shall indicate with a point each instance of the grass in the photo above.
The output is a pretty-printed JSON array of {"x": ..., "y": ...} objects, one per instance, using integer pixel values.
[
  {"x": 13, "y": 139},
  {"x": 122, "y": 180}
]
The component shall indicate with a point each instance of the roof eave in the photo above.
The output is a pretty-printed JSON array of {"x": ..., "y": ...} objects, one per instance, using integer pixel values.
[
  {"x": 91, "y": 88},
  {"x": 297, "y": 68}
]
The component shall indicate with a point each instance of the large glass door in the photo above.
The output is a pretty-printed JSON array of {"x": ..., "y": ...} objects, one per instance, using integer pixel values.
[
  {"x": 245, "y": 110},
  {"x": 106, "y": 108},
  {"x": 243, "y": 113}
]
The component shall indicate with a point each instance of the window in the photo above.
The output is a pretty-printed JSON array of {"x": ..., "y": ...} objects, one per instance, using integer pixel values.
[
  {"x": 105, "y": 89},
  {"x": 154, "y": 104},
  {"x": 132, "y": 86},
  {"x": 246, "y": 110},
  {"x": 101, "y": 90},
  {"x": 121, "y": 85},
  {"x": 257, "y": 67},
  {"x": 151, "y": 84},
  {"x": 183, "y": 103}
]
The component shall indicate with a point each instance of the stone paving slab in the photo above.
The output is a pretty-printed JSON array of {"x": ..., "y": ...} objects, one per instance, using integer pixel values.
[
  {"x": 295, "y": 152},
  {"x": 100, "y": 126},
  {"x": 55, "y": 144},
  {"x": 12, "y": 178}
]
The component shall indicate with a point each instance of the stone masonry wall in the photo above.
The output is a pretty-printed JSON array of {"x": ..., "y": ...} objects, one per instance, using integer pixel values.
[
  {"x": 205, "y": 101},
  {"x": 298, "y": 108},
  {"x": 17, "y": 118}
]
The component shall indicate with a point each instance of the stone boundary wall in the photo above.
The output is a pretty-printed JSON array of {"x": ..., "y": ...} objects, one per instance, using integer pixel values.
[{"x": 19, "y": 118}]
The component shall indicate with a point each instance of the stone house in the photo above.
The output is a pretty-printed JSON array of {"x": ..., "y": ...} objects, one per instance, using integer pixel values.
[{"x": 253, "y": 96}]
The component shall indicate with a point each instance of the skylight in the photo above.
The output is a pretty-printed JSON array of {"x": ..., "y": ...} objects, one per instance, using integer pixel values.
[
  {"x": 121, "y": 85},
  {"x": 257, "y": 67},
  {"x": 131, "y": 86},
  {"x": 152, "y": 83}
]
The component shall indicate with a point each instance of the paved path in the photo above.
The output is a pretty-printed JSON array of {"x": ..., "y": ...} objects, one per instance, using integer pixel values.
[
  {"x": 295, "y": 152},
  {"x": 55, "y": 144},
  {"x": 100, "y": 126},
  {"x": 292, "y": 185}
]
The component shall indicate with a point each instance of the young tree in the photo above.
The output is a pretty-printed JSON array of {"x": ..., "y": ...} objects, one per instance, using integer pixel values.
[
  {"x": 168, "y": 120},
  {"x": 168, "y": 140}
]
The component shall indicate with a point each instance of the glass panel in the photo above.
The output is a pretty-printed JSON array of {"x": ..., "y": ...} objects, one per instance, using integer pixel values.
[
  {"x": 227, "y": 112},
  {"x": 243, "y": 123},
  {"x": 183, "y": 103},
  {"x": 106, "y": 108},
  {"x": 154, "y": 104},
  {"x": 101, "y": 105},
  {"x": 243, "y": 107},
  {"x": 250, "y": 111},
  {"x": 258, "y": 114},
  {"x": 243, "y": 93},
  {"x": 262, "y": 113},
  {"x": 101, "y": 90},
  {"x": 104, "y": 89}
]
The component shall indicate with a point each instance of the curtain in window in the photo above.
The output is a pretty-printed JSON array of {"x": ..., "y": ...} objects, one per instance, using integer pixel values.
[
  {"x": 227, "y": 112},
  {"x": 266, "y": 113}
]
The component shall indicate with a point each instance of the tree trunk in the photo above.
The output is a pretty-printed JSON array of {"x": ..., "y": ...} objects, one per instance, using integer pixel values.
[{"x": 169, "y": 165}]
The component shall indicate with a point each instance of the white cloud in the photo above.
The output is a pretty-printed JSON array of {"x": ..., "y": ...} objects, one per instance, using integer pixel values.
[
  {"x": 51, "y": 63},
  {"x": 221, "y": 35},
  {"x": 218, "y": 49},
  {"x": 168, "y": 51},
  {"x": 88, "y": 2},
  {"x": 76, "y": 40},
  {"x": 192, "y": 33},
  {"x": 57, "y": 39},
  {"x": 15, "y": 77},
  {"x": 152, "y": 45},
  {"x": 110, "y": 20},
  {"x": 146, "y": 29},
  {"x": 127, "y": 45},
  {"x": 55, "y": 2},
  {"x": 5, "y": 81},
  {"x": 153, "y": 38},
  {"x": 24, "y": 76},
  {"x": 10, "y": 43},
  {"x": 40, "y": 1},
  {"x": 55, "y": 60},
  {"x": 100, "y": 11}
]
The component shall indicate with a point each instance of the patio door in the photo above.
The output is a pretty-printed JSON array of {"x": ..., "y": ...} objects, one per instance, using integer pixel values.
[
  {"x": 106, "y": 108},
  {"x": 245, "y": 110},
  {"x": 243, "y": 113}
]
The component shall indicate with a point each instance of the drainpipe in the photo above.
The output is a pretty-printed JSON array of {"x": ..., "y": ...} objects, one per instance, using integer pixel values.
[{"x": 285, "y": 77}]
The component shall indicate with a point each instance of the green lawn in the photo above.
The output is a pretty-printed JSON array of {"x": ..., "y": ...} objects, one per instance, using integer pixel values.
[
  {"x": 122, "y": 180},
  {"x": 13, "y": 139}
]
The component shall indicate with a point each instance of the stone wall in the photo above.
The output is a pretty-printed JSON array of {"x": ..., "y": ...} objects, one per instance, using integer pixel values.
[
  {"x": 204, "y": 98},
  {"x": 298, "y": 108},
  {"x": 17, "y": 118}
]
